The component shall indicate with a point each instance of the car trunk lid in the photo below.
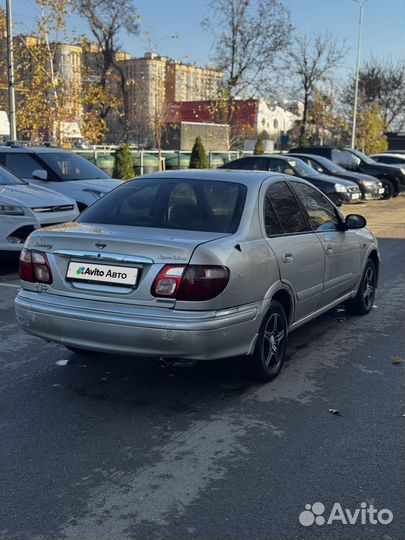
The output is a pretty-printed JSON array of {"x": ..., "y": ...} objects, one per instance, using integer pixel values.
[{"x": 89, "y": 261}]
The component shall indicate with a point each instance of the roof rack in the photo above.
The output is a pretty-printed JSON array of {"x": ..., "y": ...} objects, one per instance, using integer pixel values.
[{"x": 22, "y": 144}]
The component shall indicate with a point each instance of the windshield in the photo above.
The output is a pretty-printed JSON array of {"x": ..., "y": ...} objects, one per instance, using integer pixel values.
[
  {"x": 69, "y": 166},
  {"x": 171, "y": 203},
  {"x": 362, "y": 156},
  {"x": 301, "y": 168},
  {"x": 8, "y": 179}
]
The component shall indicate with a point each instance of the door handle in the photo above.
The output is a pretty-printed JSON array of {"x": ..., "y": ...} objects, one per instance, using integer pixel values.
[
  {"x": 329, "y": 249},
  {"x": 287, "y": 256}
]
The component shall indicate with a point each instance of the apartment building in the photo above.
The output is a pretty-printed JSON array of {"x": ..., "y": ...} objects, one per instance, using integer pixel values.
[
  {"x": 186, "y": 82},
  {"x": 146, "y": 78},
  {"x": 61, "y": 62},
  {"x": 154, "y": 82}
]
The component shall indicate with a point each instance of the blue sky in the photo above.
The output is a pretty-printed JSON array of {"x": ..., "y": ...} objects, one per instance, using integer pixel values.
[{"x": 383, "y": 37}]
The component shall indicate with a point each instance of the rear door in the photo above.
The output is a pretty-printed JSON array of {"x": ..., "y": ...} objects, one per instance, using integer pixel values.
[
  {"x": 298, "y": 250},
  {"x": 341, "y": 246}
]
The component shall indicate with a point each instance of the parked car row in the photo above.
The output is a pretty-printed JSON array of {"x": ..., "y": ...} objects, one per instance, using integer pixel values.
[
  {"x": 41, "y": 185},
  {"x": 346, "y": 176},
  {"x": 339, "y": 190},
  {"x": 44, "y": 186},
  {"x": 392, "y": 177}
]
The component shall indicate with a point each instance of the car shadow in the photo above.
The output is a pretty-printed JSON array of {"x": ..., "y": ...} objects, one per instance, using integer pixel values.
[
  {"x": 179, "y": 386},
  {"x": 8, "y": 263}
]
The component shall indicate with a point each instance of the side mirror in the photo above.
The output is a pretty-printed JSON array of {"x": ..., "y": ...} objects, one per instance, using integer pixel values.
[
  {"x": 40, "y": 174},
  {"x": 354, "y": 221}
]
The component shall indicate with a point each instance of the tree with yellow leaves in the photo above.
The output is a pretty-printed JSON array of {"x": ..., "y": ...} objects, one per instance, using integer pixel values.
[{"x": 371, "y": 128}]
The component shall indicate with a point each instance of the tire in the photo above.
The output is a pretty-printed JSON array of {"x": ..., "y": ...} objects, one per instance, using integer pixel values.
[
  {"x": 389, "y": 189},
  {"x": 364, "y": 300},
  {"x": 271, "y": 344}
]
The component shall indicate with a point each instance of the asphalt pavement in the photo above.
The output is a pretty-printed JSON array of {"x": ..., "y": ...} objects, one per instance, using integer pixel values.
[{"x": 115, "y": 448}]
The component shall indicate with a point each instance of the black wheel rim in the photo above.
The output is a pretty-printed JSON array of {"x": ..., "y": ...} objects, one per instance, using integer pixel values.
[
  {"x": 388, "y": 190},
  {"x": 369, "y": 287},
  {"x": 273, "y": 341}
]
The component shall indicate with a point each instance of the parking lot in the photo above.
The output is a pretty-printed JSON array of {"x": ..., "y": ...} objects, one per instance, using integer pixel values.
[{"x": 116, "y": 447}]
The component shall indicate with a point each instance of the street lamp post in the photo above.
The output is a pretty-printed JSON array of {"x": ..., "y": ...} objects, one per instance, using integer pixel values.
[
  {"x": 356, "y": 85},
  {"x": 10, "y": 72}
]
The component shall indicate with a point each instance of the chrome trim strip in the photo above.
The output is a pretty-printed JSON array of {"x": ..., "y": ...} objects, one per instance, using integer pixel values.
[{"x": 101, "y": 256}]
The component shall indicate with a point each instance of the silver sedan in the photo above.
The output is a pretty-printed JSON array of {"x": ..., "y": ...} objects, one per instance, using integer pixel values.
[{"x": 197, "y": 265}]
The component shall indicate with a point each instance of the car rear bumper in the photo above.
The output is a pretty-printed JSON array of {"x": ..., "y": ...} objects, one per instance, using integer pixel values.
[{"x": 135, "y": 330}]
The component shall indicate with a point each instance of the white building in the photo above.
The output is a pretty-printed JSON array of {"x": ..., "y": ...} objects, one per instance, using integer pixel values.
[{"x": 274, "y": 119}]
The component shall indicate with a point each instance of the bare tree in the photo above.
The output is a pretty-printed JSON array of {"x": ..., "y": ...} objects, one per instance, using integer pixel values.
[
  {"x": 310, "y": 62},
  {"x": 248, "y": 34},
  {"x": 107, "y": 19},
  {"x": 381, "y": 83}
]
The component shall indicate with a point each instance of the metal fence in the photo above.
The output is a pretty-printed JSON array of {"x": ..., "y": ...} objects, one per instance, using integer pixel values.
[{"x": 146, "y": 161}]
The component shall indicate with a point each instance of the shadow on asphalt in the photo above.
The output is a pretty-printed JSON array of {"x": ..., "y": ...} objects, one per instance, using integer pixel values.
[
  {"x": 181, "y": 387},
  {"x": 8, "y": 263}
]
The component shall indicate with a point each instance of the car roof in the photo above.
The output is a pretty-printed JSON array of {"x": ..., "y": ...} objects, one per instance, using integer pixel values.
[
  {"x": 274, "y": 155},
  {"x": 224, "y": 175},
  {"x": 32, "y": 149},
  {"x": 389, "y": 154},
  {"x": 312, "y": 156}
]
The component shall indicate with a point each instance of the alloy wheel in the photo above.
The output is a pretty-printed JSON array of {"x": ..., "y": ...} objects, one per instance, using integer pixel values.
[
  {"x": 273, "y": 341},
  {"x": 369, "y": 287}
]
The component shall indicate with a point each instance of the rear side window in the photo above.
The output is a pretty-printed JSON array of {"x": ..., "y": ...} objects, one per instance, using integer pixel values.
[
  {"x": 278, "y": 165},
  {"x": 391, "y": 160},
  {"x": 286, "y": 208},
  {"x": 249, "y": 164},
  {"x": 271, "y": 221},
  {"x": 211, "y": 206}
]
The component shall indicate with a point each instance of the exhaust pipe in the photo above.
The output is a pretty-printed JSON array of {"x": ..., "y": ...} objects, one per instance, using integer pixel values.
[{"x": 165, "y": 363}]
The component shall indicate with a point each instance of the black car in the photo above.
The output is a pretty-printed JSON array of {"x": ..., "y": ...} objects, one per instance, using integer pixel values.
[
  {"x": 338, "y": 190},
  {"x": 370, "y": 187},
  {"x": 393, "y": 179}
]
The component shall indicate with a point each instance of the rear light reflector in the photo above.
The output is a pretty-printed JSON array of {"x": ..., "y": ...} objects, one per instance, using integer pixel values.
[
  {"x": 191, "y": 283},
  {"x": 26, "y": 270},
  {"x": 168, "y": 281},
  {"x": 34, "y": 267}
]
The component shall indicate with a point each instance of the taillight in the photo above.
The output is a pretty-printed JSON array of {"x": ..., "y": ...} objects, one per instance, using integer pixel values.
[
  {"x": 26, "y": 271},
  {"x": 168, "y": 281},
  {"x": 34, "y": 267},
  {"x": 193, "y": 282}
]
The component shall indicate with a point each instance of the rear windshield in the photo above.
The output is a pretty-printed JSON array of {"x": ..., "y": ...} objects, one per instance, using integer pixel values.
[{"x": 194, "y": 205}]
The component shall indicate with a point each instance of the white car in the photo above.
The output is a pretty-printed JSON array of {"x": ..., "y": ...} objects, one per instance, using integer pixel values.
[
  {"x": 59, "y": 170},
  {"x": 24, "y": 208}
]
